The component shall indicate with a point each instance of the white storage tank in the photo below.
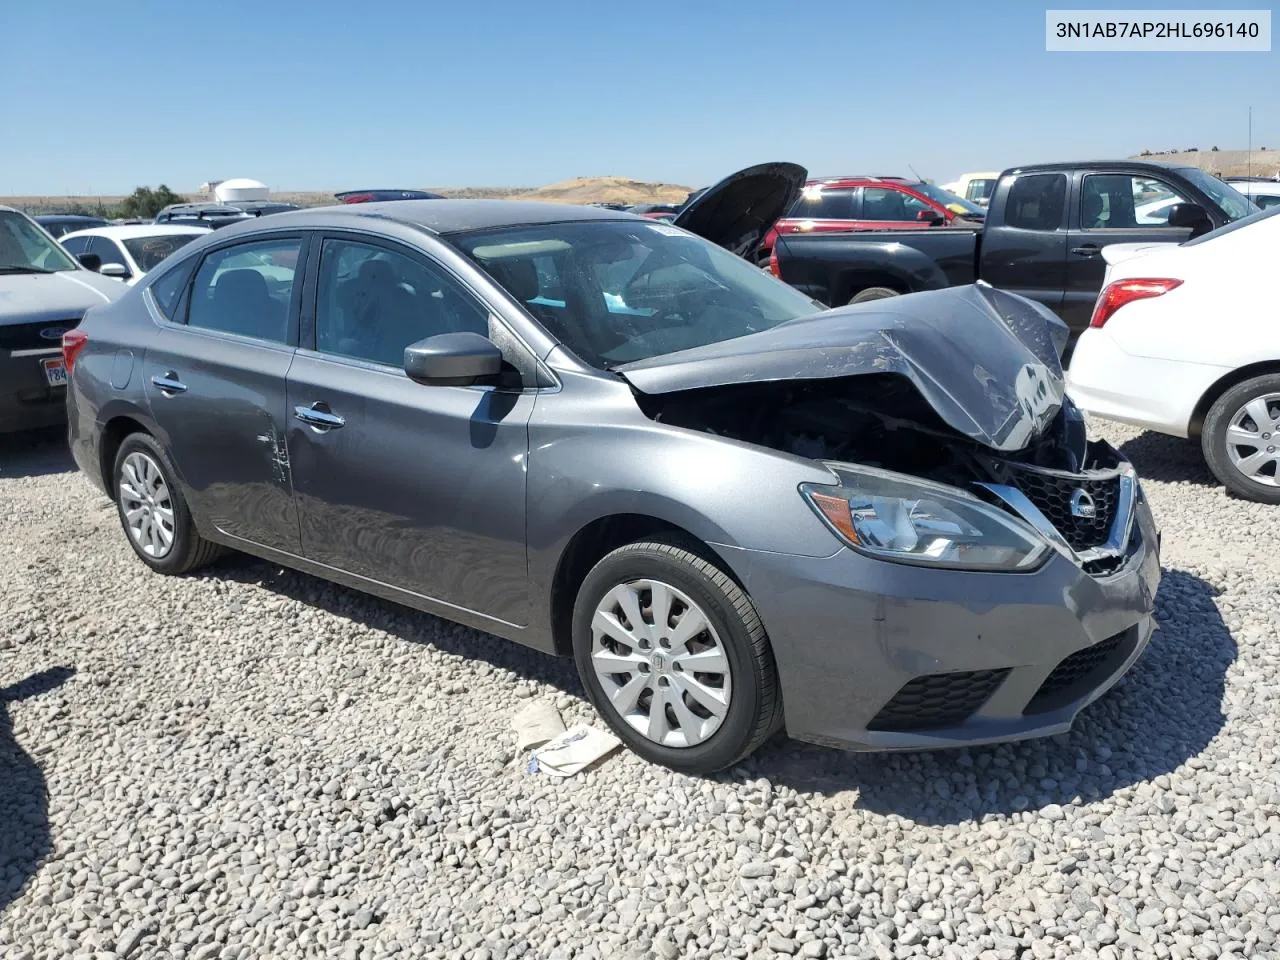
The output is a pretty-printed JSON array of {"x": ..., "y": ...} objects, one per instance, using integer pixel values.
[{"x": 229, "y": 191}]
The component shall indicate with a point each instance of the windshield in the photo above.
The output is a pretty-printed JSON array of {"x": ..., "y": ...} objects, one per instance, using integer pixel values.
[
  {"x": 25, "y": 248},
  {"x": 954, "y": 203},
  {"x": 1233, "y": 203},
  {"x": 615, "y": 291},
  {"x": 148, "y": 251}
]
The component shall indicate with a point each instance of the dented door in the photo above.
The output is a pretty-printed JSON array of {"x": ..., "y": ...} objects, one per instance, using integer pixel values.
[{"x": 220, "y": 402}]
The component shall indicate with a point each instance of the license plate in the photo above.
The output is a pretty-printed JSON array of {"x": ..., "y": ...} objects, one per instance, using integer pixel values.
[{"x": 55, "y": 371}]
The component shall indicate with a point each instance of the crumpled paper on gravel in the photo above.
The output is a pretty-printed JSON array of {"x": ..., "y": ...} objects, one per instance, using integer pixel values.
[
  {"x": 572, "y": 751},
  {"x": 536, "y": 724}
]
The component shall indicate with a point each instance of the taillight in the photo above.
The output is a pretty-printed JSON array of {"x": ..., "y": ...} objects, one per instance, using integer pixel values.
[
  {"x": 773, "y": 263},
  {"x": 73, "y": 342},
  {"x": 1116, "y": 294}
]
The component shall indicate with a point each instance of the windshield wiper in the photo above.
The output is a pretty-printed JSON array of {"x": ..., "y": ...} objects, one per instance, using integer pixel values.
[{"x": 22, "y": 268}]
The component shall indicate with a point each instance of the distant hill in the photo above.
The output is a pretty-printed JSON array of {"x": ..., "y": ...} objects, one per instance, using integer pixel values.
[
  {"x": 578, "y": 190},
  {"x": 1222, "y": 163},
  {"x": 609, "y": 190}
]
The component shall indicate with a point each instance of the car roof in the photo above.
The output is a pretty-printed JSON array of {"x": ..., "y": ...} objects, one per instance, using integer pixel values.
[
  {"x": 1153, "y": 166},
  {"x": 88, "y": 218},
  {"x": 132, "y": 231},
  {"x": 857, "y": 180},
  {"x": 441, "y": 216}
]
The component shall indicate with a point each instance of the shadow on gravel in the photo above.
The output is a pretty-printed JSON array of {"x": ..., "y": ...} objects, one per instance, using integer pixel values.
[
  {"x": 1163, "y": 712},
  {"x": 1169, "y": 459},
  {"x": 24, "y": 799},
  {"x": 399, "y": 621},
  {"x": 35, "y": 453}
]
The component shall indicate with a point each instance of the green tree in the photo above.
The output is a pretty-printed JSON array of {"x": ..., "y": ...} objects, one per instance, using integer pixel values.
[{"x": 145, "y": 202}]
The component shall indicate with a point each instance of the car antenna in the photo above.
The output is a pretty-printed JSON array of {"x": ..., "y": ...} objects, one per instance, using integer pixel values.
[{"x": 917, "y": 173}]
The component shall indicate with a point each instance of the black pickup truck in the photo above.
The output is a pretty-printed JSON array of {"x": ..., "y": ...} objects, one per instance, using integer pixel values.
[{"x": 1042, "y": 238}]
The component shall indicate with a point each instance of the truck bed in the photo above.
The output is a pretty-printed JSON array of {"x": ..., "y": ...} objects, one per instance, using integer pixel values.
[{"x": 832, "y": 267}]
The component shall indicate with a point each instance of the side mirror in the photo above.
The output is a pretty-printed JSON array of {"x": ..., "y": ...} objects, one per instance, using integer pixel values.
[
  {"x": 931, "y": 217},
  {"x": 1192, "y": 216},
  {"x": 117, "y": 270},
  {"x": 452, "y": 360},
  {"x": 90, "y": 261}
]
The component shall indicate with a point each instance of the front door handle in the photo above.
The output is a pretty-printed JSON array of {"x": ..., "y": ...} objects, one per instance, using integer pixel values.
[
  {"x": 168, "y": 383},
  {"x": 1088, "y": 250},
  {"x": 319, "y": 415}
]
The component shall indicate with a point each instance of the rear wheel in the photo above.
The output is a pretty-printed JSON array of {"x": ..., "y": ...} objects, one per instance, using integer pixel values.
[
  {"x": 153, "y": 511},
  {"x": 1241, "y": 439},
  {"x": 674, "y": 657},
  {"x": 873, "y": 293}
]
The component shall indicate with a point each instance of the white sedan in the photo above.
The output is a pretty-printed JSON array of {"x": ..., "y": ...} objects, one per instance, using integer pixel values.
[
  {"x": 1185, "y": 340},
  {"x": 127, "y": 252}
]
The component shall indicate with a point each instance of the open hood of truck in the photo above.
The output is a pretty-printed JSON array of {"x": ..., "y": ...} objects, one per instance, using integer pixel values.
[
  {"x": 738, "y": 211},
  {"x": 986, "y": 361}
]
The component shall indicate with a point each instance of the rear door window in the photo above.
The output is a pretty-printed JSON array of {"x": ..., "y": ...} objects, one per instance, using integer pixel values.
[
  {"x": 818, "y": 204},
  {"x": 1036, "y": 201},
  {"x": 247, "y": 289}
]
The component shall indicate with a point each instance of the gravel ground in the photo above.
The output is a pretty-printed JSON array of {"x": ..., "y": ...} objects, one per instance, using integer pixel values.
[{"x": 253, "y": 763}]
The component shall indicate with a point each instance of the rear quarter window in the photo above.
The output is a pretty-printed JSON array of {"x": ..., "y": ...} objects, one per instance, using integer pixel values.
[{"x": 168, "y": 288}]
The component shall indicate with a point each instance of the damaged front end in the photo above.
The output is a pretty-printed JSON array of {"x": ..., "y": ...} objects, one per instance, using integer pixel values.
[{"x": 961, "y": 389}]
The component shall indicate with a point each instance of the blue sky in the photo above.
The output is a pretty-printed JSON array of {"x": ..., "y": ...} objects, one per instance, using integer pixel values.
[{"x": 101, "y": 97}]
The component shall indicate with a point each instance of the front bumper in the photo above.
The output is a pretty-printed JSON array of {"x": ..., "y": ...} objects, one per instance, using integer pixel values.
[
  {"x": 875, "y": 655},
  {"x": 27, "y": 402}
]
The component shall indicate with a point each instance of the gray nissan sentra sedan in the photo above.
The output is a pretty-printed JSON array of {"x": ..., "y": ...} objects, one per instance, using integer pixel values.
[{"x": 878, "y": 527}]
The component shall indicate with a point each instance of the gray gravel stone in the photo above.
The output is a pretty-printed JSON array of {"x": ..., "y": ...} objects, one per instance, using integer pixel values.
[{"x": 250, "y": 762}]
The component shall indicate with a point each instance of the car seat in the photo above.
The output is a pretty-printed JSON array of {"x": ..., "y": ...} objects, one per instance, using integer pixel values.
[{"x": 242, "y": 304}]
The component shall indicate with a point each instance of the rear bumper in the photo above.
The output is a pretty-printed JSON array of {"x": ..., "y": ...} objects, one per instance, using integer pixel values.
[
  {"x": 1159, "y": 395},
  {"x": 27, "y": 402},
  {"x": 882, "y": 656}
]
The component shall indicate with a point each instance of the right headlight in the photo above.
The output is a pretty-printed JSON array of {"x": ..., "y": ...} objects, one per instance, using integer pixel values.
[{"x": 900, "y": 518}]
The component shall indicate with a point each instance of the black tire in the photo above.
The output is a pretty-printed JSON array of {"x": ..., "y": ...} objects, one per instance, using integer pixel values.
[
  {"x": 873, "y": 293},
  {"x": 755, "y": 705},
  {"x": 1213, "y": 438},
  {"x": 189, "y": 550}
]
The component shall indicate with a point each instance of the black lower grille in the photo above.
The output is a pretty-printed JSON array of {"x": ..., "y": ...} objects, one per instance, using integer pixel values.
[
  {"x": 34, "y": 336},
  {"x": 938, "y": 700},
  {"x": 1053, "y": 495},
  {"x": 1081, "y": 671}
]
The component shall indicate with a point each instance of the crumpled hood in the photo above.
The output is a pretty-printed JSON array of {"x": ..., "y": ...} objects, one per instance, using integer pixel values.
[
  {"x": 66, "y": 295},
  {"x": 987, "y": 361}
]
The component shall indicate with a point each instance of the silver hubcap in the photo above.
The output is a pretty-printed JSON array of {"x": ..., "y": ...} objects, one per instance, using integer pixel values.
[
  {"x": 660, "y": 662},
  {"x": 1253, "y": 440},
  {"x": 145, "y": 504}
]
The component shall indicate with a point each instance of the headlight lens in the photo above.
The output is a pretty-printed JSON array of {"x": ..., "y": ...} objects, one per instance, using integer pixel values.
[{"x": 900, "y": 518}]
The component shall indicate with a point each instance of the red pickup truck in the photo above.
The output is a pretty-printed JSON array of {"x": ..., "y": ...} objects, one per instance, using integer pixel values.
[{"x": 841, "y": 204}]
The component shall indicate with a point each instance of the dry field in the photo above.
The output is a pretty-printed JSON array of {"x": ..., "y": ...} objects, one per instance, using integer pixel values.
[{"x": 577, "y": 190}]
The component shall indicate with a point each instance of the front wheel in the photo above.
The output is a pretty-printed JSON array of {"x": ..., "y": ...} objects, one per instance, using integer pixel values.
[
  {"x": 674, "y": 658},
  {"x": 1241, "y": 439}
]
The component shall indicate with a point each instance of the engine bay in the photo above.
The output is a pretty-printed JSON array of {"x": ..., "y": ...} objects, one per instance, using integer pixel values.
[{"x": 877, "y": 420}]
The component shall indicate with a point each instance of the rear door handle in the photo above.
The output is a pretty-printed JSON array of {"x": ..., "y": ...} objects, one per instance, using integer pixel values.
[
  {"x": 319, "y": 415},
  {"x": 1088, "y": 250},
  {"x": 168, "y": 383}
]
